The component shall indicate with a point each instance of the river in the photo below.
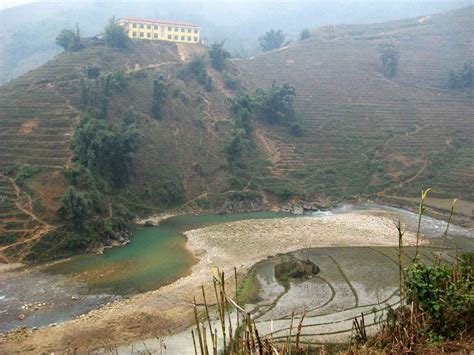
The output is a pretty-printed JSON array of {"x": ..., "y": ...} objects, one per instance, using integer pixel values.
[{"x": 54, "y": 292}]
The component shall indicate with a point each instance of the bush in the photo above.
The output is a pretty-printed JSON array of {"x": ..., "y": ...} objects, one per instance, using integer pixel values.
[
  {"x": 218, "y": 56},
  {"x": 463, "y": 78},
  {"x": 305, "y": 34},
  {"x": 25, "y": 172},
  {"x": 389, "y": 54},
  {"x": 271, "y": 40},
  {"x": 232, "y": 83},
  {"x": 76, "y": 208},
  {"x": 275, "y": 105},
  {"x": 69, "y": 40},
  {"x": 92, "y": 72},
  {"x": 115, "y": 35},
  {"x": 197, "y": 68},
  {"x": 445, "y": 293},
  {"x": 159, "y": 95}
]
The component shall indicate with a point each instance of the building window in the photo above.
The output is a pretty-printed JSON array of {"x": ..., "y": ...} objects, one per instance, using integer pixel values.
[
  {"x": 134, "y": 33},
  {"x": 148, "y": 35},
  {"x": 155, "y": 27},
  {"x": 183, "y": 38},
  {"x": 176, "y": 29},
  {"x": 142, "y": 26},
  {"x": 170, "y": 37},
  {"x": 148, "y": 26},
  {"x": 176, "y": 37},
  {"x": 134, "y": 25},
  {"x": 189, "y": 38},
  {"x": 142, "y": 34},
  {"x": 195, "y": 31},
  {"x": 170, "y": 29},
  {"x": 195, "y": 39},
  {"x": 155, "y": 35},
  {"x": 183, "y": 30},
  {"x": 189, "y": 30}
]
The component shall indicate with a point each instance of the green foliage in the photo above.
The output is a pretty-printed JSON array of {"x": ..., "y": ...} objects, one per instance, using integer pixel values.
[
  {"x": 231, "y": 82},
  {"x": 275, "y": 105},
  {"x": 69, "y": 40},
  {"x": 271, "y": 40},
  {"x": 197, "y": 68},
  {"x": 131, "y": 116},
  {"x": 218, "y": 55},
  {"x": 25, "y": 172},
  {"x": 160, "y": 90},
  {"x": 463, "y": 78},
  {"x": 115, "y": 35},
  {"x": 76, "y": 209},
  {"x": 170, "y": 190},
  {"x": 305, "y": 34},
  {"x": 107, "y": 150},
  {"x": 92, "y": 71},
  {"x": 389, "y": 54},
  {"x": 445, "y": 293}
]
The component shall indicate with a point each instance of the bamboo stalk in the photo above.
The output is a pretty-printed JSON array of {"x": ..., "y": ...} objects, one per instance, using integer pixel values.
[
  {"x": 198, "y": 327},
  {"x": 207, "y": 314}
]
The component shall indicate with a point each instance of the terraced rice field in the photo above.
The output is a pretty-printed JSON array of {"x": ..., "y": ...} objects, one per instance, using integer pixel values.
[
  {"x": 352, "y": 281},
  {"x": 365, "y": 133}
]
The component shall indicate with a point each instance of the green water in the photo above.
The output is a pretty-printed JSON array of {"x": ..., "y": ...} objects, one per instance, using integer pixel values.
[{"x": 156, "y": 256}]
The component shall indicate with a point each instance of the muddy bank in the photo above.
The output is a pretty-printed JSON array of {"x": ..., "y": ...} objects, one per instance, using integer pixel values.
[{"x": 168, "y": 310}]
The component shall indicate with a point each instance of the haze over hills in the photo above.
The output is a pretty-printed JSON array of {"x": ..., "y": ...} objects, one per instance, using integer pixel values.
[
  {"x": 362, "y": 134},
  {"x": 28, "y": 32}
]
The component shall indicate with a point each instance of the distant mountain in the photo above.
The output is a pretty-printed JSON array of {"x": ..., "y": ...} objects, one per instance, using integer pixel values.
[{"x": 28, "y": 32}]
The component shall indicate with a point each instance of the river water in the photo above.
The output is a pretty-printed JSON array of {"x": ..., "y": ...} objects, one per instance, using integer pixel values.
[{"x": 65, "y": 289}]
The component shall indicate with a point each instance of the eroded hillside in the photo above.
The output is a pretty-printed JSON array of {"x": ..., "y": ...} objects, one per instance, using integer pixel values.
[{"x": 367, "y": 134}]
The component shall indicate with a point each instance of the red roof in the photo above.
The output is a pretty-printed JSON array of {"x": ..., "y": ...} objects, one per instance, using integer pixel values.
[{"x": 166, "y": 22}]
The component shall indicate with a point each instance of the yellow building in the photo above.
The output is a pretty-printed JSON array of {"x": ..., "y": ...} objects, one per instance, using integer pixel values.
[{"x": 161, "y": 30}]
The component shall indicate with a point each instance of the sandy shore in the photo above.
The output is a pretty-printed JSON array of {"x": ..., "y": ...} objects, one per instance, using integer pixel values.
[{"x": 169, "y": 310}]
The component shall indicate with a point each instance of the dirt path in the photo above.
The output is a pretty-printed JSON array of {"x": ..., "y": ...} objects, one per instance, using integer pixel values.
[{"x": 36, "y": 233}]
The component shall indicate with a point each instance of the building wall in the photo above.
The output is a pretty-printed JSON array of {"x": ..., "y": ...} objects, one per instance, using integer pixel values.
[{"x": 162, "y": 32}]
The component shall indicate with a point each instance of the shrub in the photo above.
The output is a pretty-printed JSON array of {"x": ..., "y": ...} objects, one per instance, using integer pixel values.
[
  {"x": 69, "y": 40},
  {"x": 232, "y": 83},
  {"x": 463, "y": 78},
  {"x": 275, "y": 105},
  {"x": 76, "y": 208},
  {"x": 445, "y": 293},
  {"x": 271, "y": 40},
  {"x": 25, "y": 172},
  {"x": 159, "y": 95},
  {"x": 389, "y": 55},
  {"x": 115, "y": 35},
  {"x": 305, "y": 34},
  {"x": 218, "y": 55},
  {"x": 92, "y": 72}
]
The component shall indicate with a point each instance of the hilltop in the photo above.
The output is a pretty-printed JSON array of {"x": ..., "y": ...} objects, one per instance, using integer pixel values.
[{"x": 363, "y": 135}]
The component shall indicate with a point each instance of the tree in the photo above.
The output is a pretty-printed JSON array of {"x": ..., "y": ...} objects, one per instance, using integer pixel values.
[
  {"x": 218, "y": 55},
  {"x": 389, "y": 54},
  {"x": 115, "y": 35},
  {"x": 75, "y": 209},
  {"x": 271, "y": 40},
  {"x": 305, "y": 34},
  {"x": 159, "y": 95},
  {"x": 275, "y": 105},
  {"x": 107, "y": 150},
  {"x": 69, "y": 40}
]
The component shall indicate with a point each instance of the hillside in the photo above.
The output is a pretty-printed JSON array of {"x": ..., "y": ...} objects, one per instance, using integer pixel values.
[
  {"x": 179, "y": 158},
  {"x": 366, "y": 134}
]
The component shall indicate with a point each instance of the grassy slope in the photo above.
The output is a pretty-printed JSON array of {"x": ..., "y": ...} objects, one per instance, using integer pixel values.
[{"x": 367, "y": 134}]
